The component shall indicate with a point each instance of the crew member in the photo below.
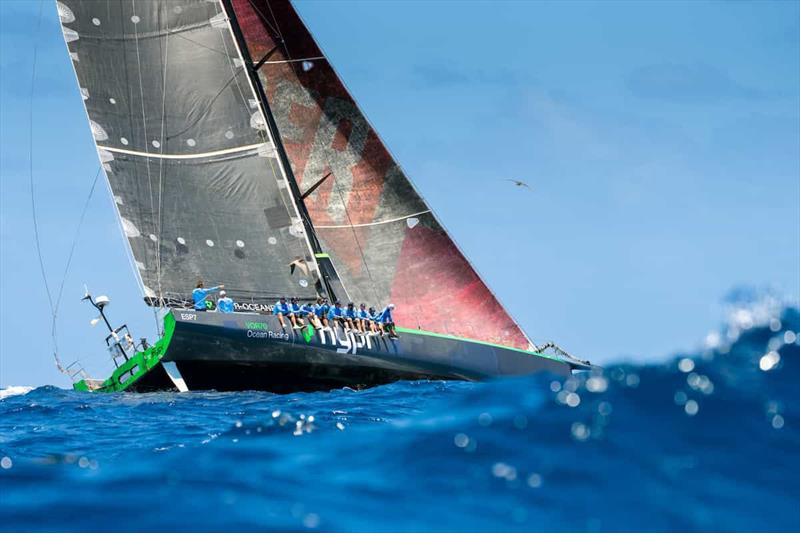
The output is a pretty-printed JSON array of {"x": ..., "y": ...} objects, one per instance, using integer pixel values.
[
  {"x": 336, "y": 314},
  {"x": 386, "y": 321},
  {"x": 199, "y": 295},
  {"x": 224, "y": 303},
  {"x": 295, "y": 314},
  {"x": 350, "y": 315},
  {"x": 281, "y": 309},
  {"x": 309, "y": 311},
  {"x": 322, "y": 311},
  {"x": 364, "y": 322},
  {"x": 373, "y": 321}
]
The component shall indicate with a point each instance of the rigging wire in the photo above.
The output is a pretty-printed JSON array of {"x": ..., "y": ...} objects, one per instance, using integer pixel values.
[
  {"x": 53, "y": 328},
  {"x": 30, "y": 160},
  {"x": 144, "y": 127},
  {"x": 355, "y": 237},
  {"x": 264, "y": 18},
  {"x": 54, "y": 305},
  {"x": 161, "y": 167}
]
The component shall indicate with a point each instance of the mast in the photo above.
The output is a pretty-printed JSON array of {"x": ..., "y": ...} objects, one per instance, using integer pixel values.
[{"x": 328, "y": 271}]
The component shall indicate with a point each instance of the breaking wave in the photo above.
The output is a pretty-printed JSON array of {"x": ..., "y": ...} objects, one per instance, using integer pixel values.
[
  {"x": 14, "y": 390},
  {"x": 707, "y": 440}
]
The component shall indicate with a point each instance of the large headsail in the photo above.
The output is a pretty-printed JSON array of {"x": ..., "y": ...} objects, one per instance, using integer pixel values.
[
  {"x": 385, "y": 241},
  {"x": 194, "y": 174}
]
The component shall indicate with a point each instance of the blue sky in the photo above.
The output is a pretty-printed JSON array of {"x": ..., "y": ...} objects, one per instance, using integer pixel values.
[{"x": 662, "y": 140}]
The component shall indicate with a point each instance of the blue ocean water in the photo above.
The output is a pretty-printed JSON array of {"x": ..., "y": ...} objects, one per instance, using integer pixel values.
[{"x": 708, "y": 440}]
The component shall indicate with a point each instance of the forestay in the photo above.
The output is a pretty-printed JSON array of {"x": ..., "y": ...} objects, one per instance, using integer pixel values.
[{"x": 193, "y": 172}]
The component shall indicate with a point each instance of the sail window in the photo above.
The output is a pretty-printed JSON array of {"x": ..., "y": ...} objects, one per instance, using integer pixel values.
[
  {"x": 156, "y": 144},
  {"x": 272, "y": 240},
  {"x": 303, "y": 283},
  {"x": 209, "y": 243},
  {"x": 135, "y": 19},
  {"x": 240, "y": 244},
  {"x": 123, "y": 140},
  {"x": 181, "y": 241},
  {"x": 153, "y": 238},
  {"x": 411, "y": 222},
  {"x": 229, "y": 134},
  {"x": 307, "y": 65},
  {"x": 96, "y": 21},
  {"x": 113, "y": 101},
  {"x": 191, "y": 142}
]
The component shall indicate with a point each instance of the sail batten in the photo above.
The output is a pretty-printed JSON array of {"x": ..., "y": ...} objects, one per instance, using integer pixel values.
[{"x": 157, "y": 155}]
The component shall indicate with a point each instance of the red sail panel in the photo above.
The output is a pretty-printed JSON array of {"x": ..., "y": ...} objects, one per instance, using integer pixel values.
[{"x": 384, "y": 241}]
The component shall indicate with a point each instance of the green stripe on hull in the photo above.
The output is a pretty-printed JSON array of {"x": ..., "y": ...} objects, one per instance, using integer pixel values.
[{"x": 137, "y": 366}]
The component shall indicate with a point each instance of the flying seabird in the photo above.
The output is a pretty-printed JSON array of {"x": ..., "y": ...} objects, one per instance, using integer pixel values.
[{"x": 519, "y": 183}]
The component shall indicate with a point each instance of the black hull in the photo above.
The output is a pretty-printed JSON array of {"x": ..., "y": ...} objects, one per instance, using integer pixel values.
[{"x": 235, "y": 352}]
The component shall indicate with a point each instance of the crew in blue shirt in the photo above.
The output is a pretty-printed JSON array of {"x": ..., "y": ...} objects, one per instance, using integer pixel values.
[
  {"x": 336, "y": 314},
  {"x": 224, "y": 304},
  {"x": 199, "y": 295},
  {"x": 350, "y": 315},
  {"x": 321, "y": 311},
  {"x": 295, "y": 314},
  {"x": 281, "y": 309},
  {"x": 363, "y": 319},
  {"x": 386, "y": 320},
  {"x": 309, "y": 312}
]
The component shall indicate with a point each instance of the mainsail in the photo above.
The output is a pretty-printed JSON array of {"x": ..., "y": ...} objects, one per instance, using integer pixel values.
[
  {"x": 384, "y": 240},
  {"x": 198, "y": 187}
]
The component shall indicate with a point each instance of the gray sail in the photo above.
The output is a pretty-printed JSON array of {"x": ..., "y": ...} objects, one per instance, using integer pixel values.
[{"x": 199, "y": 190}]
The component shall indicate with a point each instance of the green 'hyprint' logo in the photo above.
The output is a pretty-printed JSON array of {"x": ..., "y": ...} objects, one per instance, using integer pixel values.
[{"x": 308, "y": 333}]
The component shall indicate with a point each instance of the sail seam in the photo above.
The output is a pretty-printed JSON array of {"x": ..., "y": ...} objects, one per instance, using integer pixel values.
[
  {"x": 226, "y": 151},
  {"x": 373, "y": 223},
  {"x": 293, "y": 60}
]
